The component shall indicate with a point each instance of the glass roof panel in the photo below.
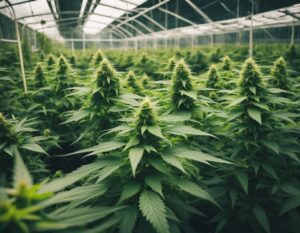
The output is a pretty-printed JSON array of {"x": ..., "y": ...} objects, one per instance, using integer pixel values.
[
  {"x": 32, "y": 8},
  {"x": 101, "y": 19},
  {"x": 109, "y": 11},
  {"x": 39, "y": 26},
  {"x": 38, "y": 19},
  {"x": 97, "y": 26},
  {"x": 118, "y": 4},
  {"x": 16, "y": 1},
  {"x": 137, "y": 2},
  {"x": 90, "y": 30}
]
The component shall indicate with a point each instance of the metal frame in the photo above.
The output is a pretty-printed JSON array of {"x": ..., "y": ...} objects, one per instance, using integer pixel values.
[
  {"x": 19, "y": 45},
  {"x": 126, "y": 27}
]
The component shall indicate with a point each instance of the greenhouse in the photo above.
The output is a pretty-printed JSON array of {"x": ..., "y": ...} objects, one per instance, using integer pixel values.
[{"x": 150, "y": 116}]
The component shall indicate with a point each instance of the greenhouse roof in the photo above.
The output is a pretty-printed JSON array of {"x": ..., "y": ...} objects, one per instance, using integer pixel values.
[
  {"x": 146, "y": 18},
  {"x": 276, "y": 18}
]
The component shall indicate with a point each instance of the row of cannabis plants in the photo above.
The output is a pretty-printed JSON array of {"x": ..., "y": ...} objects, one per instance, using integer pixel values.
[{"x": 153, "y": 147}]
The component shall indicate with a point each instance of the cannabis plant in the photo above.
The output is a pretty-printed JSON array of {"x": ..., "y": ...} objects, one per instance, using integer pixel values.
[
  {"x": 96, "y": 114},
  {"x": 261, "y": 145},
  {"x": 39, "y": 78},
  {"x": 279, "y": 73},
  {"x": 197, "y": 60},
  {"x": 145, "y": 65},
  {"x": 108, "y": 85},
  {"x": 171, "y": 64},
  {"x": 148, "y": 173},
  {"x": 212, "y": 77},
  {"x": 64, "y": 81},
  {"x": 17, "y": 137},
  {"x": 132, "y": 83},
  {"x": 97, "y": 58},
  {"x": 292, "y": 56},
  {"x": 183, "y": 96},
  {"x": 29, "y": 208},
  {"x": 50, "y": 62},
  {"x": 226, "y": 63},
  {"x": 145, "y": 81},
  {"x": 73, "y": 60}
]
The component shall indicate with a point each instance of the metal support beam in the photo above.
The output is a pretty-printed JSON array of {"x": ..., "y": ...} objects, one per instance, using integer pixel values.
[
  {"x": 199, "y": 11},
  {"x": 154, "y": 22},
  {"x": 19, "y": 46},
  {"x": 203, "y": 15},
  {"x": 143, "y": 25},
  {"x": 129, "y": 2},
  {"x": 135, "y": 29},
  {"x": 287, "y": 12},
  {"x": 142, "y": 12},
  {"x": 17, "y": 3},
  {"x": 118, "y": 32},
  {"x": 177, "y": 16},
  {"x": 124, "y": 31}
]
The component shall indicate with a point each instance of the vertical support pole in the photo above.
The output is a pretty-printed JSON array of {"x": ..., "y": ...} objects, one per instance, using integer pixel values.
[
  {"x": 212, "y": 40},
  {"x": 192, "y": 40},
  {"x": 135, "y": 45},
  {"x": 293, "y": 33},
  {"x": 72, "y": 45},
  {"x": 239, "y": 33},
  {"x": 20, "y": 54},
  {"x": 110, "y": 40},
  {"x": 251, "y": 32},
  {"x": 251, "y": 37},
  {"x": 83, "y": 41},
  {"x": 34, "y": 39}
]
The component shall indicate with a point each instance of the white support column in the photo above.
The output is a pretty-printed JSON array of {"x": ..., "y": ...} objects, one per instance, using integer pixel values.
[
  {"x": 136, "y": 45},
  {"x": 239, "y": 34},
  {"x": 155, "y": 43},
  {"x": 34, "y": 39},
  {"x": 72, "y": 45},
  {"x": 21, "y": 56},
  {"x": 110, "y": 40},
  {"x": 83, "y": 42},
  {"x": 19, "y": 47},
  {"x": 293, "y": 33},
  {"x": 251, "y": 37},
  {"x": 192, "y": 40}
]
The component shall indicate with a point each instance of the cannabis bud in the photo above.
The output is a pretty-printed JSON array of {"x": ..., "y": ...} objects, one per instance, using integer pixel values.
[
  {"x": 250, "y": 78},
  {"x": 213, "y": 77},
  {"x": 47, "y": 132},
  {"x": 181, "y": 85},
  {"x": 226, "y": 63},
  {"x": 171, "y": 64},
  {"x": 145, "y": 115},
  {"x": 50, "y": 61},
  {"x": 73, "y": 60},
  {"x": 62, "y": 68},
  {"x": 6, "y": 131},
  {"x": 39, "y": 77},
  {"x": 279, "y": 74},
  {"x": 145, "y": 80},
  {"x": 143, "y": 59},
  {"x": 107, "y": 82},
  {"x": 132, "y": 83},
  {"x": 98, "y": 58}
]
